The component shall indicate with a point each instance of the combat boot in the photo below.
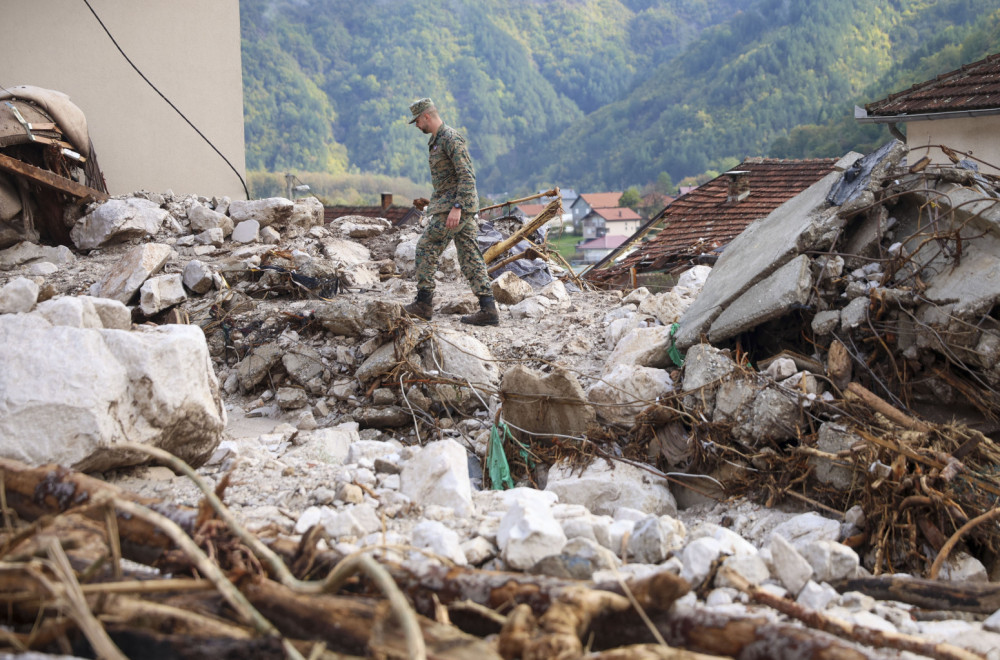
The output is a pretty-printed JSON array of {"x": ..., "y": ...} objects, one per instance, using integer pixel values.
[
  {"x": 421, "y": 307},
  {"x": 487, "y": 314}
]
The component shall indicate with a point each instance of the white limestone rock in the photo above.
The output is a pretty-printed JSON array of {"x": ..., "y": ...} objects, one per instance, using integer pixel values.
[
  {"x": 626, "y": 390},
  {"x": 434, "y": 536},
  {"x": 509, "y": 289},
  {"x": 642, "y": 347},
  {"x": 790, "y": 567},
  {"x": 205, "y": 219},
  {"x": 127, "y": 275},
  {"x": 654, "y": 538},
  {"x": 529, "y": 533},
  {"x": 75, "y": 312},
  {"x": 604, "y": 487},
  {"x": 247, "y": 231},
  {"x": 439, "y": 474},
  {"x": 198, "y": 276},
  {"x": 18, "y": 296},
  {"x": 160, "y": 293},
  {"x": 73, "y": 395},
  {"x": 270, "y": 211},
  {"x": 118, "y": 220},
  {"x": 806, "y": 528}
]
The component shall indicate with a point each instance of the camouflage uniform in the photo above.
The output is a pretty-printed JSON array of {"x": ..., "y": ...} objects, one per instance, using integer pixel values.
[{"x": 454, "y": 181}]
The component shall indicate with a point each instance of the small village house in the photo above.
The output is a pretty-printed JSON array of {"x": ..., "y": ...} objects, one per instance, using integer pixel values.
[{"x": 959, "y": 110}]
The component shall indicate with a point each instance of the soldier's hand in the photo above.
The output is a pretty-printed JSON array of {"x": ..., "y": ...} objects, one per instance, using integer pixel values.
[{"x": 421, "y": 203}]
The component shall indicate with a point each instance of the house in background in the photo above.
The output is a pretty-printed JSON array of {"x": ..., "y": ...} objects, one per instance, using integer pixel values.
[
  {"x": 697, "y": 225},
  {"x": 960, "y": 110},
  {"x": 587, "y": 202},
  {"x": 592, "y": 251},
  {"x": 189, "y": 49},
  {"x": 615, "y": 221}
]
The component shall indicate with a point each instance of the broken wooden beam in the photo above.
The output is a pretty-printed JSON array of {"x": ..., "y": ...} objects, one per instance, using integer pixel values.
[
  {"x": 51, "y": 180},
  {"x": 550, "y": 211}
]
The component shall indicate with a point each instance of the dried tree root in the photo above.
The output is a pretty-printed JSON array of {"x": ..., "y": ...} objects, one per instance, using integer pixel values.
[
  {"x": 956, "y": 537},
  {"x": 819, "y": 621}
]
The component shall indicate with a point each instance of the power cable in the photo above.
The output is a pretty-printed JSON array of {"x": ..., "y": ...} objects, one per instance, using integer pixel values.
[{"x": 176, "y": 109}]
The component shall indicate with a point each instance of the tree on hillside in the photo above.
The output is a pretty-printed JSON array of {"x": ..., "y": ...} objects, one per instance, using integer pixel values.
[{"x": 630, "y": 198}]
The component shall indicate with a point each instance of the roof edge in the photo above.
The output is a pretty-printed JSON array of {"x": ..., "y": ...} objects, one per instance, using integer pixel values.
[{"x": 862, "y": 117}]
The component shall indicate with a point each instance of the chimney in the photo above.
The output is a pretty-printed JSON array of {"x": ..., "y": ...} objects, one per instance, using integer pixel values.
[
  {"x": 739, "y": 186},
  {"x": 386, "y": 200}
]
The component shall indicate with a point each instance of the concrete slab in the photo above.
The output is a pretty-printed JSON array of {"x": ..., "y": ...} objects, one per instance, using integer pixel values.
[
  {"x": 769, "y": 299},
  {"x": 764, "y": 247}
]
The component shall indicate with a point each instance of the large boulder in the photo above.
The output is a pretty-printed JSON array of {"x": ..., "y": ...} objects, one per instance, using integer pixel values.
[
  {"x": 622, "y": 394},
  {"x": 118, "y": 220},
  {"x": 72, "y": 395},
  {"x": 548, "y": 404}
]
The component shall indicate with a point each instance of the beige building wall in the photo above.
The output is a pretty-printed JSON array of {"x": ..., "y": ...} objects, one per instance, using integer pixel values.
[
  {"x": 979, "y": 136},
  {"x": 188, "y": 49}
]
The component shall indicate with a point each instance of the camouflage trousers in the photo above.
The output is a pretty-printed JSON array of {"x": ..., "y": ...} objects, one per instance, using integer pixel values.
[{"x": 435, "y": 240}]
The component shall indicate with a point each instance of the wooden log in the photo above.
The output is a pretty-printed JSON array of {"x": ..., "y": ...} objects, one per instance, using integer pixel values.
[
  {"x": 978, "y": 597},
  {"x": 550, "y": 211},
  {"x": 880, "y": 405},
  {"x": 52, "y": 489},
  {"x": 353, "y": 624}
]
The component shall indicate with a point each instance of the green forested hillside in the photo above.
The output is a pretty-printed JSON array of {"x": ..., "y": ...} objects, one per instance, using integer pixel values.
[{"x": 578, "y": 93}]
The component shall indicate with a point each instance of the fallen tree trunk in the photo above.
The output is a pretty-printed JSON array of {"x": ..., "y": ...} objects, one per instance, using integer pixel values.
[{"x": 978, "y": 597}]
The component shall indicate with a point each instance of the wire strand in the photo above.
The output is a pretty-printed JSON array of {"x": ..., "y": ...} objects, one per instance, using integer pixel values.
[{"x": 176, "y": 109}]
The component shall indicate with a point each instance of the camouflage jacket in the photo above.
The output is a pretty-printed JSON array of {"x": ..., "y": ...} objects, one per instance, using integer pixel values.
[{"x": 452, "y": 173}]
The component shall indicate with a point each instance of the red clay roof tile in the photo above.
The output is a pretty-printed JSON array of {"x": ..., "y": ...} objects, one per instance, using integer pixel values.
[{"x": 975, "y": 86}]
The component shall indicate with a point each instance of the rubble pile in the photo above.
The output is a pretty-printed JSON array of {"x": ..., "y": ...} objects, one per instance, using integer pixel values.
[{"x": 787, "y": 455}]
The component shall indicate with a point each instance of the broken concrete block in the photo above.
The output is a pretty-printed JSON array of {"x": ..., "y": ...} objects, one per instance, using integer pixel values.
[
  {"x": 383, "y": 417},
  {"x": 118, "y": 220},
  {"x": 781, "y": 369},
  {"x": 773, "y": 297},
  {"x": 509, "y": 289},
  {"x": 72, "y": 396},
  {"x": 71, "y": 311},
  {"x": 622, "y": 394},
  {"x": 765, "y": 246},
  {"x": 854, "y": 314},
  {"x": 198, "y": 276},
  {"x": 439, "y": 474},
  {"x": 535, "y": 307},
  {"x": 253, "y": 368},
  {"x": 269, "y": 235},
  {"x": 291, "y": 398},
  {"x": 555, "y": 290},
  {"x": 704, "y": 368},
  {"x": 160, "y": 293},
  {"x": 204, "y": 219},
  {"x": 528, "y": 533},
  {"x": 303, "y": 363},
  {"x": 247, "y": 231},
  {"x": 774, "y": 415},
  {"x": 125, "y": 277},
  {"x": 18, "y": 296},
  {"x": 825, "y": 322},
  {"x": 604, "y": 487},
  {"x": 341, "y": 317},
  {"x": 269, "y": 211},
  {"x": 552, "y": 403},
  {"x": 833, "y": 439}
]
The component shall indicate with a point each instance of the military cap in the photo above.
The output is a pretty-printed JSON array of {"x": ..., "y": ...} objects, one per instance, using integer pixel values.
[{"x": 419, "y": 107}]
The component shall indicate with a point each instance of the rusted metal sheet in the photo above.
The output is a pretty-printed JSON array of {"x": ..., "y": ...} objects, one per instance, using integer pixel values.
[{"x": 50, "y": 180}]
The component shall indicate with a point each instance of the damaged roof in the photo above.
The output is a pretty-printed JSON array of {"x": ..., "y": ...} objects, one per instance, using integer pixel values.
[
  {"x": 973, "y": 87},
  {"x": 397, "y": 215},
  {"x": 707, "y": 218}
]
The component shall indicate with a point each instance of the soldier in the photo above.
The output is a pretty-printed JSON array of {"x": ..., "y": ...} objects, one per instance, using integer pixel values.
[{"x": 453, "y": 206}]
